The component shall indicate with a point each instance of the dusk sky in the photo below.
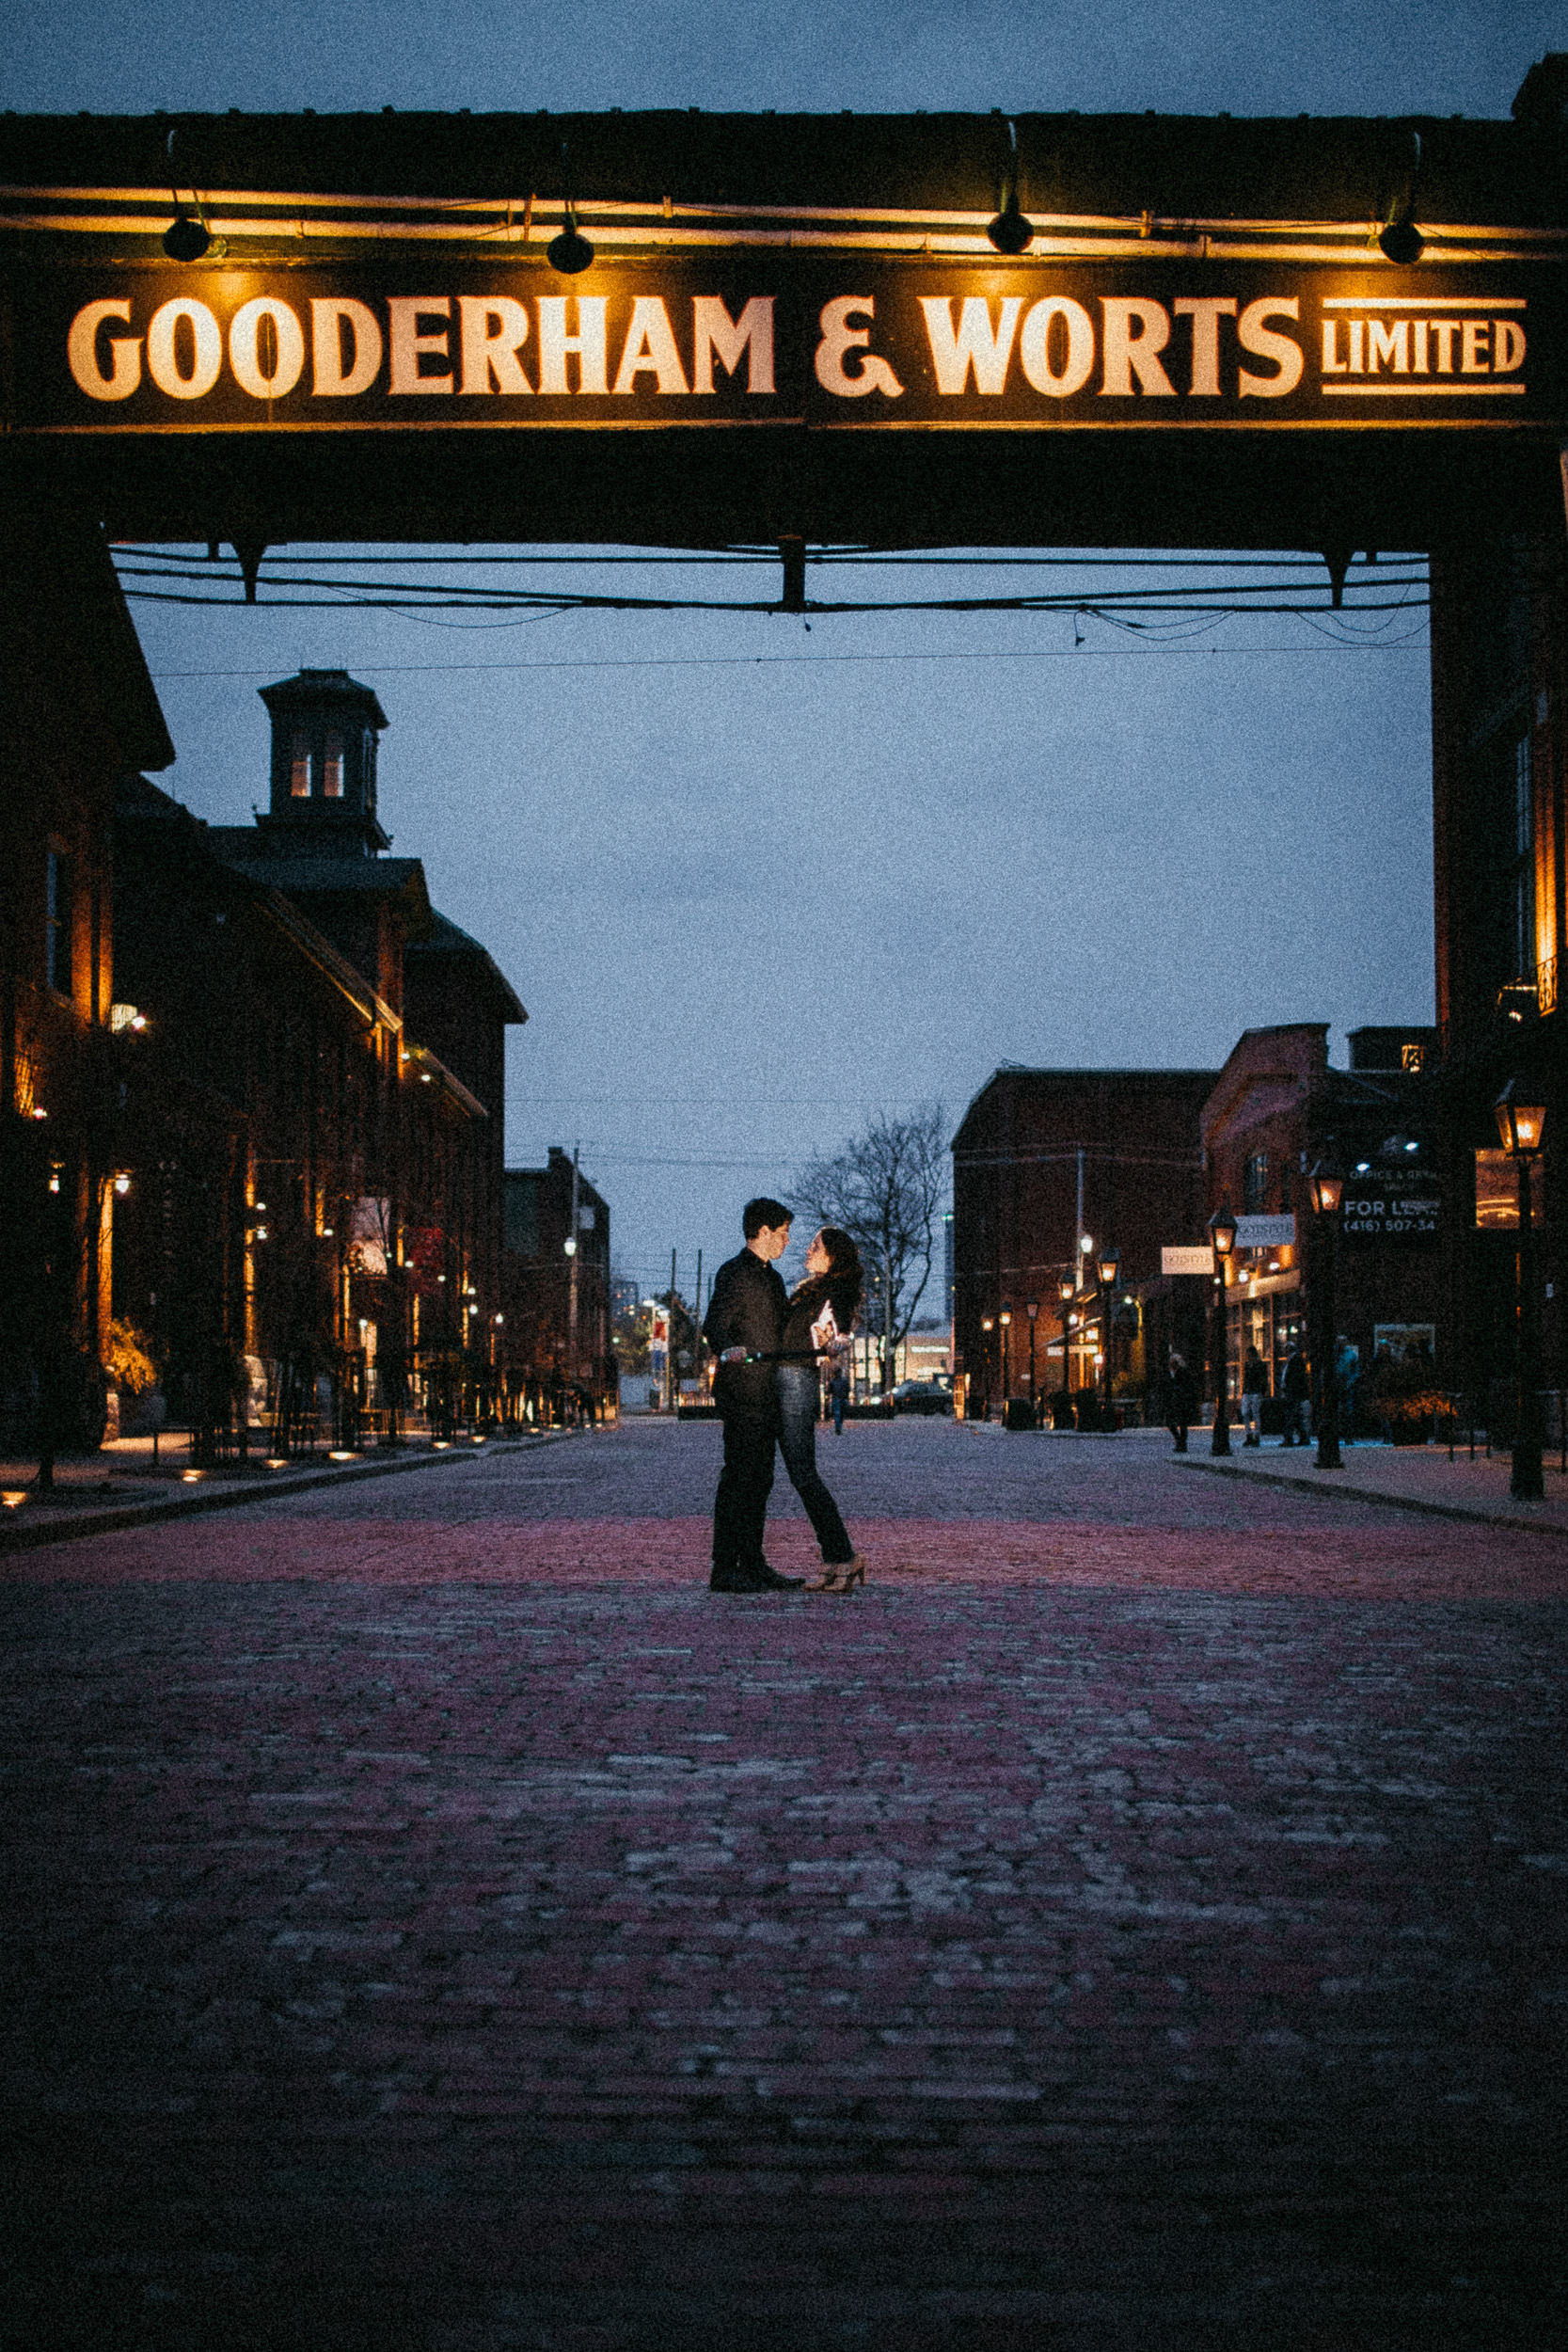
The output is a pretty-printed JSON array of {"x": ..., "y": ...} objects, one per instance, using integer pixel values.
[{"x": 755, "y": 883}]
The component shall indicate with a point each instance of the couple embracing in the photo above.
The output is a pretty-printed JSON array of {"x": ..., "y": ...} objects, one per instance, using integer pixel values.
[{"x": 770, "y": 1342}]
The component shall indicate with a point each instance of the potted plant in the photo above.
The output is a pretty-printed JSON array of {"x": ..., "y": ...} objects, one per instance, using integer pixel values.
[
  {"x": 1406, "y": 1400},
  {"x": 137, "y": 1403}
]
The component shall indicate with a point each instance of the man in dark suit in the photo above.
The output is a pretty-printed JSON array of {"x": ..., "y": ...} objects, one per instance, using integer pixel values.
[{"x": 744, "y": 1320}]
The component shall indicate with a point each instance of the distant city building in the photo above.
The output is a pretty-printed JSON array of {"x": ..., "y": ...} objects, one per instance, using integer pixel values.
[
  {"x": 558, "y": 1301},
  {"x": 1043, "y": 1160}
]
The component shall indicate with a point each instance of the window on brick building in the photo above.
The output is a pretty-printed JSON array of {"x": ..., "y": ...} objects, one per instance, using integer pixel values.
[
  {"x": 1524, "y": 863},
  {"x": 332, "y": 771},
  {"x": 1255, "y": 1184},
  {"x": 299, "y": 774},
  {"x": 56, "y": 922}
]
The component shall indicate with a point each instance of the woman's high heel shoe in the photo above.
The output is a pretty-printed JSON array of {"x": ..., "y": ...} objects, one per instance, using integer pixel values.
[{"x": 840, "y": 1578}]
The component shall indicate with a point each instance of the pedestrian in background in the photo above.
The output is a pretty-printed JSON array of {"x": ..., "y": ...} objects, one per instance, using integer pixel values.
[
  {"x": 838, "y": 1394},
  {"x": 1297, "y": 1387},
  {"x": 1181, "y": 1399},
  {"x": 1254, "y": 1380},
  {"x": 818, "y": 1324},
  {"x": 1347, "y": 1380},
  {"x": 743, "y": 1324}
]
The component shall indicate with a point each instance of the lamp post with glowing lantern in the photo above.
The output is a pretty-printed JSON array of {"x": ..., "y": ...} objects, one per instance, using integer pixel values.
[
  {"x": 1326, "y": 1188},
  {"x": 1521, "y": 1123},
  {"x": 1222, "y": 1233},
  {"x": 1006, "y": 1320},
  {"x": 988, "y": 1325},
  {"x": 1108, "y": 1267},
  {"x": 1032, "y": 1308}
]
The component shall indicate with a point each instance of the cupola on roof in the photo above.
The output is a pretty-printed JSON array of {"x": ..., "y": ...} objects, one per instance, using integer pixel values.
[{"x": 324, "y": 728}]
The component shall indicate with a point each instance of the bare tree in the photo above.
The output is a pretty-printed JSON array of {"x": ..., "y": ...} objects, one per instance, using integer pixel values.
[{"x": 885, "y": 1187}]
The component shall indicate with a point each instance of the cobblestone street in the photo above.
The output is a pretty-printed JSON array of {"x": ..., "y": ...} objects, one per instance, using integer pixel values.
[{"x": 440, "y": 1925}]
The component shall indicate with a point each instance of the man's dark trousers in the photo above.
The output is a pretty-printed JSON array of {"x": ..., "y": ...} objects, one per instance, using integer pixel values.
[
  {"x": 745, "y": 1311},
  {"x": 745, "y": 1483}
]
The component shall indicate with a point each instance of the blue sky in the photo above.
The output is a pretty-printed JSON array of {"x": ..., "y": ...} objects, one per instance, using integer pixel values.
[{"x": 753, "y": 883}]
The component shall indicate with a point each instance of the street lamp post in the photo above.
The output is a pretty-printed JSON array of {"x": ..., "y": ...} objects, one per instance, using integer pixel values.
[
  {"x": 1222, "y": 1233},
  {"x": 1032, "y": 1308},
  {"x": 1326, "y": 1188},
  {"x": 988, "y": 1325},
  {"x": 1066, "y": 1291},
  {"x": 1006, "y": 1320},
  {"x": 1521, "y": 1124},
  {"x": 1108, "y": 1267}
]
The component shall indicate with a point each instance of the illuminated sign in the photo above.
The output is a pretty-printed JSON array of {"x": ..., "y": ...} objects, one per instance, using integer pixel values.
[{"x": 737, "y": 339}]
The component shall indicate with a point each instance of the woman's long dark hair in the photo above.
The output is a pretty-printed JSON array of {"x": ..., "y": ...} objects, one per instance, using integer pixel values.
[{"x": 843, "y": 1286}]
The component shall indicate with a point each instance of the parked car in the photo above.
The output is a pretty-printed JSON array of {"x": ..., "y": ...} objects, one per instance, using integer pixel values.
[{"x": 924, "y": 1396}]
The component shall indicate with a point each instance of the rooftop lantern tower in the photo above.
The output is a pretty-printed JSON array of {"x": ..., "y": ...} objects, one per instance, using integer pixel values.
[{"x": 324, "y": 726}]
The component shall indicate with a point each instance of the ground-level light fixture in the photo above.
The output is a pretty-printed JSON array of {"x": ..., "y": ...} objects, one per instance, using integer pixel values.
[{"x": 1521, "y": 1123}]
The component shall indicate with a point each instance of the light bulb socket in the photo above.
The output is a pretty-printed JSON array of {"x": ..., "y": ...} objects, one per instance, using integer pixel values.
[
  {"x": 1401, "y": 241},
  {"x": 570, "y": 253},
  {"x": 187, "y": 239},
  {"x": 1011, "y": 232}
]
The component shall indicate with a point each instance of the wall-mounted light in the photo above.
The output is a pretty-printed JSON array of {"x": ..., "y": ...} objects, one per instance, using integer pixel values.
[
  {"x": 570, "y": 253},
  {"x": 1400, "y": 240},
  {"x": 1011, "y": 233},
  {"x": 187, "y": 238},
  {"x": 122, "y": 1182}
]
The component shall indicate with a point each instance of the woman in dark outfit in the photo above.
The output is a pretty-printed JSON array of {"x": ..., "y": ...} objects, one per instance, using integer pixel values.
[{"x": 822, "y": 1316}]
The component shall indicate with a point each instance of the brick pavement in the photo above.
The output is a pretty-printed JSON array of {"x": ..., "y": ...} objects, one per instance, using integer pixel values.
[{"x": 569, "y": 1958}]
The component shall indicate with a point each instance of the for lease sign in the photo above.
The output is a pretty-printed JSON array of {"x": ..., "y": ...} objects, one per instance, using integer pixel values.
[{"x": 446, "y": 343}]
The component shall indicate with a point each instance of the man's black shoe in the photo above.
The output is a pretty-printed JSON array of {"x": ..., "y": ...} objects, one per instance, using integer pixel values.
[
  {"x": 770, "y": 1581},
  {"x": 757, "y": 1578}
]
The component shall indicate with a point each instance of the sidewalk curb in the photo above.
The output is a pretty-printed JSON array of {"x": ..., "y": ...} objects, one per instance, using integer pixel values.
[
  {"x": 32, "y": 1534},
  {"x": 1368, "y": 1494}
]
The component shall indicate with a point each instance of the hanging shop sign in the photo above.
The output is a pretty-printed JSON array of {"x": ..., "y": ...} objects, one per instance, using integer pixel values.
[
  {"x": 1185, "y": 1262},
  {"x": 738, "y": 337},
  {"x": 1387, "y": 1205},
  {"x": 1266, "y": 1232}
]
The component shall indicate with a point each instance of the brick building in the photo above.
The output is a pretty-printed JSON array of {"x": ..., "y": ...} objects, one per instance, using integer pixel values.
[
  {"x": 1042, "y": 1160},
  {"x": 1276, "y": 1109},
  {"x": 80, "y": 709},
  {"x": 310, "y": 1181},
  {"x": 1500, "y": 665}
]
